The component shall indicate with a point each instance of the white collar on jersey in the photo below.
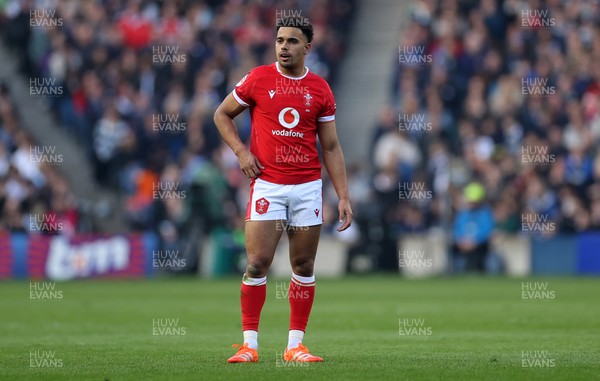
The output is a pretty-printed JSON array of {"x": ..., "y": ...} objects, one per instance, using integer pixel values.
[{"x": 287, "y": 76}]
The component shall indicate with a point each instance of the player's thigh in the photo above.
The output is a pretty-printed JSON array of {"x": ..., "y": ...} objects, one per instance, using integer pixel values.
[
  {"x": 304, "y": 241},
  {"x": 261, "y": 240},
  {"x": 306, "y": 217}
]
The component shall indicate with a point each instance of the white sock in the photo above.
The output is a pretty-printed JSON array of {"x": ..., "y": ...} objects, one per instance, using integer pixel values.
[
  {"x": 295, "y": 338},
  {"x": 304, "y": 280},
  {"x": 251, "y": 338},
  {"x": 254, "y": 281}
]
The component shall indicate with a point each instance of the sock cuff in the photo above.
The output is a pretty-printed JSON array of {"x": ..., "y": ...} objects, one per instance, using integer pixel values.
[
  {"x": 254, "y": 281},
  {"x": 306, "y": 281},
  {"x": 296, "y": 333}
]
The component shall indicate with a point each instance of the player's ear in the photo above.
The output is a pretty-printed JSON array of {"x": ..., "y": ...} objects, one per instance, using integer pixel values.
[{"x": 307, "y": 47}]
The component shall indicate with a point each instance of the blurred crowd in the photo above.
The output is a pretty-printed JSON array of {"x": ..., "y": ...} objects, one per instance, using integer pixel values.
[
  {"x": 503, "y": 94},
  {"x": 34, "y": 196},
  {"x": 142, "y": 79}
]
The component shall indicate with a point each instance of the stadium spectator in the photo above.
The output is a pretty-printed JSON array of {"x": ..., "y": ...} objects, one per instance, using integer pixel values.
[
  {"x": 511, "y": 104},
  {"x": 473, "y": 228},
  {"x": 128, "y": 63},
  {"x": 30, "y": 187},
  {"x": 109, "y": 136}
]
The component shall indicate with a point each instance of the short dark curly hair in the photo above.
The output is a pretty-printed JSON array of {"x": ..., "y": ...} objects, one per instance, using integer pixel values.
[{"x": 299, "y": 22}]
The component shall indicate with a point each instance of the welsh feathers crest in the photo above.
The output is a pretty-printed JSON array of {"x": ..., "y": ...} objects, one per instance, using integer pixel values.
[{"x": 307, "y": 99}]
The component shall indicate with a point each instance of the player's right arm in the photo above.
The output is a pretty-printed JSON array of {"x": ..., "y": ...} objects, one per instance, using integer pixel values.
[{"x": 224, "y": 115}]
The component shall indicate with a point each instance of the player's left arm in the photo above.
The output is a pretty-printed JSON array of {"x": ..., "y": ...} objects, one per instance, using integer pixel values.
[{"x": 333, "y": 158}]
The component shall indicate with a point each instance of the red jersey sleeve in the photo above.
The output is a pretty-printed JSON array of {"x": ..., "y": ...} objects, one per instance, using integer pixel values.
[
  {"x": 244, "y": 89},
  {"x": 327, "y": 112}
]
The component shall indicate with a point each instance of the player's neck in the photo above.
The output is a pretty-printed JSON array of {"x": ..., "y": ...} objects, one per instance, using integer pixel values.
[{"x": 296, "y": 72}]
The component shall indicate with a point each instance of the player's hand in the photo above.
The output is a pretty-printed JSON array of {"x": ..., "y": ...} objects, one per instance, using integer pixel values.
[
  {"x": 345, "y": 217},
  {"x": 249, "y": 164}
]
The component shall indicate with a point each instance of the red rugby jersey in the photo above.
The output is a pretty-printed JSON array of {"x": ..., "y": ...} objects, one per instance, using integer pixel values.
[{"x": 284, "y": 113}]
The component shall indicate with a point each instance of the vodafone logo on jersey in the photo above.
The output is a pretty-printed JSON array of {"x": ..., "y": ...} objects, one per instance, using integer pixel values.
[{"x": 289, "y": 117}]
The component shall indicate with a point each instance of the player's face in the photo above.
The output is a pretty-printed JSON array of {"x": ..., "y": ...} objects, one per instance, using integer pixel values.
[{"x": 291, "y": 47}]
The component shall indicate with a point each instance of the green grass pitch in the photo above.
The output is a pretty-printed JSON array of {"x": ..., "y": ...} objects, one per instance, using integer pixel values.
[{"x": 365, "y": 328}]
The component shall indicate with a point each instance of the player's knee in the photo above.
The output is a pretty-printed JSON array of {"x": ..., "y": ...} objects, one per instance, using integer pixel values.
[
  {"x": 303, "y": 266},
  {"x": 257, "y": 268}
]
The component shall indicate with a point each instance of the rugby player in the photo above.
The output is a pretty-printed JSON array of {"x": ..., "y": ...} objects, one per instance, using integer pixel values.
[{"x": 289, "y": 106}]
